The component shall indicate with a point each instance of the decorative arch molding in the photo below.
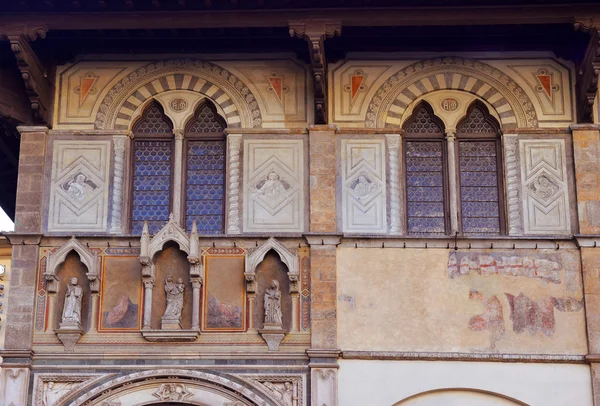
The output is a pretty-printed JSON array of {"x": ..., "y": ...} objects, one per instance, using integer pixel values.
[
  {"x": 408, "y": 401},
  {"x": 172, "y": 231},
  {"x": 214, "y": 82},
  {"x": 289, "y": 259},
  {"x": 401, "y": 89},
  {"x": 87, "y": 257},
  {"x": 192, "y": 383}
]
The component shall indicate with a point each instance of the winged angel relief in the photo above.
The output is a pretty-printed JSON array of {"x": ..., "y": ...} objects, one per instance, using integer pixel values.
[{"x": 272, "y": 189}]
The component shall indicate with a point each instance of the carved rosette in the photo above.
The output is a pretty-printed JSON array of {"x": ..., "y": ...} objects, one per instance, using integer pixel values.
[{"x": 233, "y": 222}]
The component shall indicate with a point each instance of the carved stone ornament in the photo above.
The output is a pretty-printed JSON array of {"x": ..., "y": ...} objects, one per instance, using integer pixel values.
[
  {"x": 171, "y": 319},
  {"x": 71, "y": 315},
  {"x": 87, "y": 257},
  {"x": 289, "y": 259},
  {"x": 57, "y": 389},
  {"x": 284, "y": 390},
  {"x": 273, "y": 316},
  {"x": 272, "y": 337},
  {"x": 68, "y": 337},
  {"x": 172, "y": 392}
]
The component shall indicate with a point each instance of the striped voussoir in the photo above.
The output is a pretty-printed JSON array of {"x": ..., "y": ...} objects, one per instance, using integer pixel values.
[
  {"x": 178, "y": 81},
  {"x": 454, "y": 81},
  {"x": 392, "y": 99}
]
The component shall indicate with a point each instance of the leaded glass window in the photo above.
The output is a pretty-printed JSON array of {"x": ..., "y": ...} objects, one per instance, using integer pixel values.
[
  {"x": 425, "y": 174},
  {"x": 205, "y": 184},
  {"x": 152, "y": 170},
  {"x": 479, "y": 178}
]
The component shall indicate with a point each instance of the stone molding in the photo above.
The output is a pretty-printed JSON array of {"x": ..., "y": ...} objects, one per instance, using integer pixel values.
[
  {"x": 323, "y": 239},
  {"x": 460, "y": 356},
  {"x": 88, "y": 258},
  {"x": 587, "y": 241}
]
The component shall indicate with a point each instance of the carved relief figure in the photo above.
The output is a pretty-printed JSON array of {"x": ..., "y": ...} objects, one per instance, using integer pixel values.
[
  {"x": 79, "y": 186},
  {"x": 273, "y": 305},
  {"x": 284, "y": 392},
  {"x": 172, "y": 391},
  {"x": 174, "y": 298},
  {"x": 271, "y": 187},
  {"x": 363, "y": 186},
  {"x": 54, "y": 391},
  {"x": 72, "y": 308},
  {"x": 543, "y": 187}
]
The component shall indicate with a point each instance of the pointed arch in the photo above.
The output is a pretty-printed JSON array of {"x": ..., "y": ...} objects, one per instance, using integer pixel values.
[
  {"x": 172, "y": 231},
  {"x": 289, "y": 259},
  {"x": 212, "y": 81},
  {"x": 484, "y": 394},
  {"x": 423, "y": 121},
  {"x": 205, "y": 119},
  {"x": 483, "y": 80},
  {"x": 153, "y": 122},
  {"x": 87, "y": 257},
  {"x": 478, "y": 120}
]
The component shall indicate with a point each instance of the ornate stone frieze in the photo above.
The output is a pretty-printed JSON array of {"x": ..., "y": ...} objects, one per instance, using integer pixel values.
[
  {"x": 544, "y": 186},
  {"x": 274, "y": 185},
  {"x": 79, "y": 186},
  {"x": 285, "y": 390},
  {"x": 363, "y": 186}
]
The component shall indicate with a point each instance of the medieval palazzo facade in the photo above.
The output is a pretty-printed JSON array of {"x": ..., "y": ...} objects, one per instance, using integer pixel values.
[{"x": 301, "y": 206}]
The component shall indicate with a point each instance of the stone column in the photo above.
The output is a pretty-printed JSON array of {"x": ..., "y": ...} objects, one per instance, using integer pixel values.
[
  {"x": 394, "y": 147},
  {"x": 513, "y": 183},
  {"x": 234, "y": 142},
  {"x": 196, "y": 285},
  {"x": 323, "y": 162},
  {"x": 20, "y": 310},
  {"x": 451, "y": 139},
  {"x": 95, "y": 308},
  {"x": 251, "y": 300},
  {"x": 119, "y": 144},
  {"x": 586, "y": 151},
  {"x": 177, "y": 174},
  {"x": 148, "y": 286}
]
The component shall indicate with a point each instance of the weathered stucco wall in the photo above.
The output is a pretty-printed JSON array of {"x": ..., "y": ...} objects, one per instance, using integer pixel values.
[
  {"x": 522, "y": 301},
  {"x": 385, "y": 383}
]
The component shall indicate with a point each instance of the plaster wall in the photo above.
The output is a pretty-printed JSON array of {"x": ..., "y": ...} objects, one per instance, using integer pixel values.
[
  {"x": 396, "y": 299},
  {"x": 386, "y": 383}
]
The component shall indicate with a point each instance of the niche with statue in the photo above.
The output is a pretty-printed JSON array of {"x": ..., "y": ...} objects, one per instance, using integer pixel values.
[
  {"x": 272, "y": 273},
  {"x": 172, "y": 278}
]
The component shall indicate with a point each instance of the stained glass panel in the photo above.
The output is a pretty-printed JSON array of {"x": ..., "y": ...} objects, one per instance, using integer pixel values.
[
  {"x": 476, "y": 124},
  {"x": 151, "y": 185},
  {"x": 205, "y": 186},
  {"x": 153, "y": 122},
  {"x": 425, "y": 187},
  {"x": 479, "y": 187},
  {"x": 423, "y": 123},
  {"x": 206, "y": 121}
]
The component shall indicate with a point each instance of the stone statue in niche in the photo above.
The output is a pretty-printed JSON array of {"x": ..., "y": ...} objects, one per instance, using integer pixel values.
[
  {"x": 283, "y": 392},
  {"x": 79, "y": 186},
  {"x": 273, "y": 316},
  {"x": 543, "y": 187},
  {"x": 71, "y": 316},
  {"x": 172, "y": 315},
  {"x": 54, "y": 391},
  {"x": 363, "y": 187}
]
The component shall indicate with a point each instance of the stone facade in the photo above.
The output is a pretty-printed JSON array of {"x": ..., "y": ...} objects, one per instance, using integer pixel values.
[{"x": 433, "y": 219}]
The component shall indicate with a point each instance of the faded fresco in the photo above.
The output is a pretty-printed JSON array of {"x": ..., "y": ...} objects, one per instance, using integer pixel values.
[
  {"x": 121, "y": 304},
  {"x": 514, "y": 301},
  {"x": 224, "y": 294}
]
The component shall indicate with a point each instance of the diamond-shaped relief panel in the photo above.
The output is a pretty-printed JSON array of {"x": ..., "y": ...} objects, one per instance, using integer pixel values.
[{"x": 543, "y": 187}]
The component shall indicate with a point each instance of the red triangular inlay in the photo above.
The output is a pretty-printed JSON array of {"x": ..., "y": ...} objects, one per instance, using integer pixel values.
[
  {"x": 356, "y": 82},
  {"x": 546, "y": 82},
  {"x": 86, "y": 86},
  {"x": 277, "y": 85}
]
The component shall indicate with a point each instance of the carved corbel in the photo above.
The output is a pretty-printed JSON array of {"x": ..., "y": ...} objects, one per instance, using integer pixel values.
[
  {"x": 51, "y": 282},
  {"x": 315, "y": 32},
  {"x": 35, "y": 77},
  {"x": 588, "y": 71},
  {"x": 294, "y": 283},
  {"x": 251, "y": 284}
]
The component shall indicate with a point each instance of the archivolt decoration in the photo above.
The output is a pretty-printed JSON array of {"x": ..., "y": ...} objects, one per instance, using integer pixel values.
[
  {"x": 452, "y": 73},
  {"x": 188, "y": 383},
  {"x": 215, "y": 82}
]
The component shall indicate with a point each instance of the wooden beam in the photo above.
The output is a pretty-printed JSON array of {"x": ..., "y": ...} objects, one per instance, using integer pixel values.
[
  {"x": 587, "y": 73},
  {"x": 315, "y": 32},
  {"x": 397, "y": 16},
  {"x": 34, "y": 76}
]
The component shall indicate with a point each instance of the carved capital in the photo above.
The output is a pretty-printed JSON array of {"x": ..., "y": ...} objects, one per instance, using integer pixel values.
[
  {"x": 251, "y": 284},
  {"x": 178, "y": 132},
  {"x": 148, "y": 283}
]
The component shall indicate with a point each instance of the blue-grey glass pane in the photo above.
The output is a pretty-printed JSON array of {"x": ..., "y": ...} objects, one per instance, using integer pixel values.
[
  {"x": 425, "y": 187},
  {"x": 151, "y": 185},
  {"x": 205, "y": 186},
  {"x": 479, "y": 187}
]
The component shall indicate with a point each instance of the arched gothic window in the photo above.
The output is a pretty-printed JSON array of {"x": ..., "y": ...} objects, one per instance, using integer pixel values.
[
  {"x": 153, "y": 170},
  {"x": 205, "y": 174},
  {"x": 203, "y": 167},
  {"x": 480, "y": 180},
  {"x": 478, "y": 192},
  {"x": 425, "y": 156}
]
